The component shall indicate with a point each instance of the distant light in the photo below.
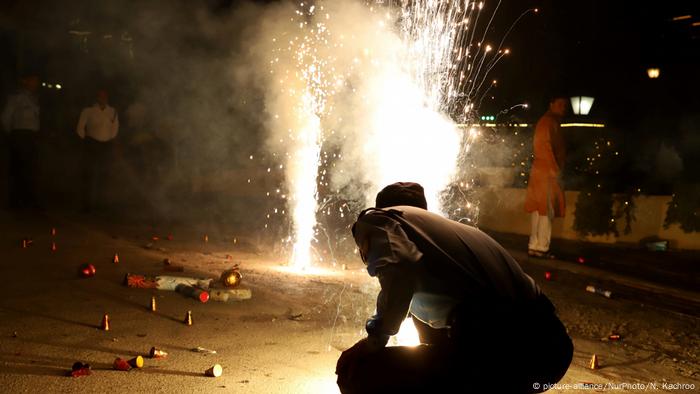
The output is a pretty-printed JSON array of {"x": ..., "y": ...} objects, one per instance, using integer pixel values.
[
  {"x": 58, "y": 86},
  {"x": 43, "y": 84},
  {"x": 526, "y": 105},
  {"x": 681, "y": 18},
  {"x": 50, "y": 86},
  {"x": 598, "y": 125},
  {"x": 695, "y": 24},
  {"x": 581, "y": 104},
  {"x": 653, "y": 72}
]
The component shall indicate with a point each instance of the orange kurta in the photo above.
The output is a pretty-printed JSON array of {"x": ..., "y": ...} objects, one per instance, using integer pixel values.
[{"x": 544, "y": 192}]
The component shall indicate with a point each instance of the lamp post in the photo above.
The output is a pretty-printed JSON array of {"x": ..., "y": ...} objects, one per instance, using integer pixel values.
[
  {"x": 581, "y": 104},
  {"x": 653, "y": 72}
]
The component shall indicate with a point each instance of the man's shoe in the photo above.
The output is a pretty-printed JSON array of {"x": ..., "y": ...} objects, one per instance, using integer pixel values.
[{"x": 540, "y": 255}]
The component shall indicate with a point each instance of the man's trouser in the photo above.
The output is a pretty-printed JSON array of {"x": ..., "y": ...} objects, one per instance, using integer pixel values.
[
  {"x": 23, "y": 151},
  {"x": 97, "y": 161},
  {"x": 489, "y": 349}
]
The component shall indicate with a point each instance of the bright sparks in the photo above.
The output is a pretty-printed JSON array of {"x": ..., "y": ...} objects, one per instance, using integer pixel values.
[
  {"x": 407, "y": 335},
  {"x": 387, "y": 86}
]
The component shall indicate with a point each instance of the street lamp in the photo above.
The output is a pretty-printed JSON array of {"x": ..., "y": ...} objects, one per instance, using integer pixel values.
[
  {"x": 581, "y": 104},
  {"x": 653, "y": 72}
]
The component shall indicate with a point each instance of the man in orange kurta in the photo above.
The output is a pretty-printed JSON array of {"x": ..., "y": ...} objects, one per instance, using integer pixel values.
[{"x": 545, "y": 196}]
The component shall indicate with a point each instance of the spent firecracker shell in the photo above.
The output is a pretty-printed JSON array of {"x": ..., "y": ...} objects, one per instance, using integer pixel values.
[
  {"x": 188, "y": 318},
  {"x": 136, "y": 362},
  {"x": 115, "y": 259},
  {"x": 153, "y": 304},
  {"x": 53, "y": 246},
  {"x": 53, "y": 231},
  {"x": 157, "y": 353},
  {"x": 593, "y": 364},
  {"x": 614, "y": 337},
  {"x": 121, "y": 365},
  {"x": 599, "y": 291},
  {"x": 206, "y": 238},
  {"x": 200, "y": 349},
  {"x": 104, "y": 324},
  {"x": 169, "y": 237},
  {"x": 581, "y": 260},
  {"x": 215, "y": 371}
]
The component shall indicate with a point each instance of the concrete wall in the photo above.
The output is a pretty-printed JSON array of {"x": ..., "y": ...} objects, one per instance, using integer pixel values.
[{"x": 501, "y": 209}]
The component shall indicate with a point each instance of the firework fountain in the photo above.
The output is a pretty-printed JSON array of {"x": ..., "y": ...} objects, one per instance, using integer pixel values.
[{"x": 384, "y": 86}]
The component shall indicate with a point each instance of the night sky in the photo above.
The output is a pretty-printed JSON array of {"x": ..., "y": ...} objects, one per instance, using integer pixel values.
[
  {"x": 598, "y": 48},
  {"x": 602, "y": 49}
]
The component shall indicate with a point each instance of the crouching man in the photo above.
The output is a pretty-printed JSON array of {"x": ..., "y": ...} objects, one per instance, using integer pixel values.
[{"x": 484, "y": 325}]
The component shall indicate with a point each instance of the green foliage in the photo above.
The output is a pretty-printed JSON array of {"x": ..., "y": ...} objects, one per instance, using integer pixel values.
[
  {"x": 598, "y": 209},
  {"x": 684, "y": 208},
  {"x": 594, "y": 213}
]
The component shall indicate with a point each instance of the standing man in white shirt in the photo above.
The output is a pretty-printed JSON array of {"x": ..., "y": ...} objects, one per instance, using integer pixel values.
[
  {"x": 20, "y": 119},
  {"x": 98, "y": 127}
]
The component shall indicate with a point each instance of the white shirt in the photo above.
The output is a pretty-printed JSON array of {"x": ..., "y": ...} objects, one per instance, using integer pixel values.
[
  {"x": 21, "y": 112},
  {"x": 98, "y": 123}
]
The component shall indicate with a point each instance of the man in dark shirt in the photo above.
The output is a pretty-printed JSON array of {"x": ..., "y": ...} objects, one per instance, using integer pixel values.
[
  {"x": 483, "y": 323},
  {"x": 20, "y": 119}
]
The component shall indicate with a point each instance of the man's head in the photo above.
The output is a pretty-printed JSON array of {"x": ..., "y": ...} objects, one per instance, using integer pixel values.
[
  {"x": 558, "y": 106},
  {"x": 102, "y": 97},
  {"x": 402, "y": 193}
]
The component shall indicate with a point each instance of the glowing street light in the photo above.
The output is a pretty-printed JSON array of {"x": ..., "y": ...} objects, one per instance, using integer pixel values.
[
  {"x": 653, "y": 72},
  {"x": 581, "y": 104}
]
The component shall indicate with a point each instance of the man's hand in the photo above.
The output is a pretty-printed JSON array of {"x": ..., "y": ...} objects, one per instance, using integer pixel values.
[{"x": 350, "y": 357}]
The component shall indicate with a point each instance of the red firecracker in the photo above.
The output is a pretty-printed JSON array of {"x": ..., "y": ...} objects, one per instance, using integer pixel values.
[
  {"x": 581, "y": 260},
  {"x": 53, "y": 246},
  {"x": 79, "y": 369},
  {"x": 121, "y": 365},
  {"x": 87, "y": 270},
  {"x": 548, "y": 275}
]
